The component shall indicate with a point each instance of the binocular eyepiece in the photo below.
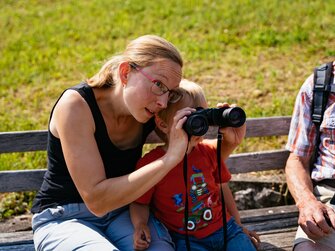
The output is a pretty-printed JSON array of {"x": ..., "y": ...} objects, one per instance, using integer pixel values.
[{"x": 198, "y": 122}]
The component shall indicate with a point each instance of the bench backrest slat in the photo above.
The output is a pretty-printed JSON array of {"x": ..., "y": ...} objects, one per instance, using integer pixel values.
[
  {"x": 23, "y": 141},
  {"x": 257, "y": 161},
  {"x": 21, "y": 180},
  {"x": 26, "y": 180},
  {"x": 37, "y": 140}
]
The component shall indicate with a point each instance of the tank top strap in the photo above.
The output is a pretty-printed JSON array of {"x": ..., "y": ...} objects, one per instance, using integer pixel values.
[{"x": 87, "y": 93}]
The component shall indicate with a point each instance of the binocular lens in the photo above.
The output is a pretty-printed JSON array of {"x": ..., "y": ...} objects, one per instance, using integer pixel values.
[
  {"x": 197, "y": 125},
  {"x": 235, "y": 116}
]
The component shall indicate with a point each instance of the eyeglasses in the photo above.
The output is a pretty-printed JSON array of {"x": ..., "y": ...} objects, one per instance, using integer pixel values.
[{"x": 158, "y": 88}]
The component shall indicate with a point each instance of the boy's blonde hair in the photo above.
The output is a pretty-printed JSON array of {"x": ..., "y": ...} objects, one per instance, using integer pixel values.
[{"x": 193, "y": 96}]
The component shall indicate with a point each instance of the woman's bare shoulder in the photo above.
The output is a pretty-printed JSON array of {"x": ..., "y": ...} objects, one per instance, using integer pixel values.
[{"x": 71, "y": 113}]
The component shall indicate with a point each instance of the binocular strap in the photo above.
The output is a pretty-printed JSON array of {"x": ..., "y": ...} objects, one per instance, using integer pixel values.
[{"x": 224, "y": 220}]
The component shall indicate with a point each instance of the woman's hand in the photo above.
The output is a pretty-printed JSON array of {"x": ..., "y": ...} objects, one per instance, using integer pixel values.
[{"x": 178, "y": 139}]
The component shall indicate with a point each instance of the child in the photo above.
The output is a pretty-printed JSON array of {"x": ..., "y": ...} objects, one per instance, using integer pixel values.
[{"x": 167, "y": 198}]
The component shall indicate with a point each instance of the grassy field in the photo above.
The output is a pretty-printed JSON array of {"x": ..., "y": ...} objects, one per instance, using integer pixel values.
[{"x": 253, "y": 53}]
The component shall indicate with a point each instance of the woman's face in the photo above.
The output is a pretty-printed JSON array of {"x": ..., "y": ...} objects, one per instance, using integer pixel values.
[{"x": 139, "y": 98}]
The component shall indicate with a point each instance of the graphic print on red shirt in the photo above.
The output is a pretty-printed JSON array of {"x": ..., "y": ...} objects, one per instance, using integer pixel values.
[{"x": 167, "y": 198}]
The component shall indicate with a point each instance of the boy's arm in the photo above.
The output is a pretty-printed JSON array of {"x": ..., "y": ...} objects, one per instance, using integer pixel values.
[
  {"x": 231, "y": 138},
  {"x": 139, "y": 214},
  {"x": 230, "y": 203},
  {"x": 233, "y": 211}
]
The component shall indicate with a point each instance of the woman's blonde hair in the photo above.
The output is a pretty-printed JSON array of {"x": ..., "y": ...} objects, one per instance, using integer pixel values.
[{"x": 143, "y": 51}]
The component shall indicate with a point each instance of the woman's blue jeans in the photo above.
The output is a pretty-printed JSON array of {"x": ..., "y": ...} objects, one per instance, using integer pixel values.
[
  {"x": 74, "y": 227},
  {"x": 237, "y": 240}
]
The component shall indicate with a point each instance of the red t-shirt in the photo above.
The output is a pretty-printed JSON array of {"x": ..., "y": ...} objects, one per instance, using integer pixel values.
[{"x": 167, "y": 198}]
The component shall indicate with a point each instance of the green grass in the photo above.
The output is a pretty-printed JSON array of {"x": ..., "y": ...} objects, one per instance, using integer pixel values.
[
  {"x": 15, "y": 204},
  {"x": 253, "y": 53}
]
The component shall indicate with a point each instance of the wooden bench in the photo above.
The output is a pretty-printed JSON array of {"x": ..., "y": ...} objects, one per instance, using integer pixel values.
[{"x": 276, "y": 225}]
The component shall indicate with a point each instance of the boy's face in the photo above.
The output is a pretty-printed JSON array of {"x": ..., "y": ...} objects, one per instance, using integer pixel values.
[
  {"x": 194, "y": 141},
  {"x": 187, "y": 102}
]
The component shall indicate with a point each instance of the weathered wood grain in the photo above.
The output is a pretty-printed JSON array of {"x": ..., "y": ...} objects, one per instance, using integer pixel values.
[
  {"x": 18, "y": 241},
  {"x": 257, "y": 161},
  {"x": 28, "y": 180},
  {"x": 270, "y": 213},
  {"x": 37, "y": 140},
  {"x": 264, "y": 219},
  {"x": 23, "y": 141},
  {"x": 274, "y": 240},
  {"x": 21, "y": 180},
  {"x": 277, "y": 240}
]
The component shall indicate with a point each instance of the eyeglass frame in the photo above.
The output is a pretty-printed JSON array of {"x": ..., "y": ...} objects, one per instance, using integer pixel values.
[{"x": 162, "y": 87}]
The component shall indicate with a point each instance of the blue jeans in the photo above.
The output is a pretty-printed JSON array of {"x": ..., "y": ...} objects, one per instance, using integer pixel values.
[
  {"x": 237, "y": 240},
  {"x": 74, "y": 227}
]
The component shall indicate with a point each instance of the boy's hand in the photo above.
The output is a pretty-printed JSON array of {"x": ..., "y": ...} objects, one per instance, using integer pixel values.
[
  {"x": 178, "y": 139},
  {"x": 232, "y": 135},
  {"x": 253, "y": 237},
  {"x": 142, "y": 237}
]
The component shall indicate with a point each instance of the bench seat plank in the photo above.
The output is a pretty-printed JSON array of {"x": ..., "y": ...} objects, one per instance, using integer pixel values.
[
  {"x": 18, "y": 241},
  {"x": 20, "y": 247},
  {"x": 270, "y": 223},
  {"x": 278, "y": 240},
  {"x": 271, "y": 240},
  {"x": 269, "y": 213},
  {"x": 272, "y": 218}
]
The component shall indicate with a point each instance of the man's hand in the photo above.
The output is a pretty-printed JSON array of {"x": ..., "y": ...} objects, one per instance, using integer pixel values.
[{"x": 312, "y": 219}]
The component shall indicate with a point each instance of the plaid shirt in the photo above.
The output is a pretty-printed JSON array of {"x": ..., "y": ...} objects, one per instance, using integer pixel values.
[{"x": 302, "y": 135}]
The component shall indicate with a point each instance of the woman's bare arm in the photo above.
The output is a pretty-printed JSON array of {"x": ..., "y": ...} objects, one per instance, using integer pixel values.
[{"x": 73, "y": 123}]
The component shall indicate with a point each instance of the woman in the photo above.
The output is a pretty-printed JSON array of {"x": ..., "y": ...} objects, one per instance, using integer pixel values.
[{"x": 96, "y": 133}]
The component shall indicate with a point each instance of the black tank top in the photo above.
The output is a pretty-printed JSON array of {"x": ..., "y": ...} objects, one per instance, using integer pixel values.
[{"x": 57, "y": 187}]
